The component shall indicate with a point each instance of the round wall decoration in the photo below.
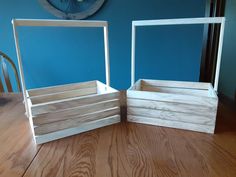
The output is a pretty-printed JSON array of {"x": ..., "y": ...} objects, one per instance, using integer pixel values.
[{"x": 72, "y": 9}]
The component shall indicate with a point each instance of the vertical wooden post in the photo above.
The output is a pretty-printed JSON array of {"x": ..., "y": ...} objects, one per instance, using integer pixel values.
[
  {"x": 133, "y": 54},
  {"x": 107, "y": 57},
  {"x": 22, "y": 78},
  {"x": 218, "y": 61}
]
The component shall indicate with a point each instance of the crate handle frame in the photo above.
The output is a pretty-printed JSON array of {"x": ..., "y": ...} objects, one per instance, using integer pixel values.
[
  {"x": 58, "y": 23},
  {"x": 180, "y": 21}
]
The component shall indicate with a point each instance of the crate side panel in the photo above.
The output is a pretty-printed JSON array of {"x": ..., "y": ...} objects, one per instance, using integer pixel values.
[
  {"x": 172, "y": 124},
  {"x": 174, "y": 98},
  {"x": 170, "y": 106},
  {"x": 75, "y": 102},
  {"x": 79, "y": 129},
  {"x": 74, "y": 112},
  {"x": 74, "y": 122},
  {"x": 63, "y": 95},
  {"x": 176, "y": 84},
  {"x": 180, "y": 91},
  {"x": 208, "y": 119},
  {"x": 61, "y": 88}
]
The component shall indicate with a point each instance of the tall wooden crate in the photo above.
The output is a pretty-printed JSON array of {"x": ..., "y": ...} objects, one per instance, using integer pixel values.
[
  {"x": 64, "y": 110},
  {"x": 183, "y": 105}
]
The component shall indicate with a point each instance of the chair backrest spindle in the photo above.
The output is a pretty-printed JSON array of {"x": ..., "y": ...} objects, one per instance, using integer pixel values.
[{"x": 6, "y": 78}]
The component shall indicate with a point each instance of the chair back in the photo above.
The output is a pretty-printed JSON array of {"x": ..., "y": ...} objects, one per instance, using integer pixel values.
[{"x": 4, "y": 59}]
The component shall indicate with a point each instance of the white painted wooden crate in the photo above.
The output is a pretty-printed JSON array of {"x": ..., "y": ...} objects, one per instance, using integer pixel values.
[
  {"x": 64, "y": 110},
  {"x": 176, "y": 104}
]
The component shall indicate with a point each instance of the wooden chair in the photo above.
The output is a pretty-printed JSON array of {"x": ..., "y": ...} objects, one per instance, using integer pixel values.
[{"x": 5, "y": 74}]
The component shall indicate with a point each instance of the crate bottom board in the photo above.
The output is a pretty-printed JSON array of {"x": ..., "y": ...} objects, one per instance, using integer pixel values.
[
  {"x": 76, "y": 130},
  {"x": 172, "y": 124}
]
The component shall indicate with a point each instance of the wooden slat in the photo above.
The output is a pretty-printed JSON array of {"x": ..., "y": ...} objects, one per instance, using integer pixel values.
[
  {"x": 63, "y": 95},
  {"x": 6, "y": 76},
  {"x": 70, "y": 103},
  {"x": 208, "y": 119},
  {"x": 179, "y": 21},
  {"x": 169, "y": 106},
  {"x": 171, "y": 124},
  {"x": 166, "y": 97},
  {"x": 74, "y": 112},
  {"x": 60, "y": 88},
  {"x": 76, "y": 121},
  {"x": 178, "y": 84},
  {"x": 79, "y": 129},
  {"x": 59, "y": 23},
  {"x": 180, "y": 91}
]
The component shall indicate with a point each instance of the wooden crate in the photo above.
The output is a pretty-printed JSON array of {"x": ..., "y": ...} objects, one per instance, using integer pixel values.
[
  {"x": 61, "y": 111},
  {"x": 184, "y": 105}
]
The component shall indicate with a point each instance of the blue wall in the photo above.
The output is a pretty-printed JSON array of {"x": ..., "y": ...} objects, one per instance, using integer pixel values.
[
  {"x": 227, "y": 84},
  {"x": 56, "y": 56}
]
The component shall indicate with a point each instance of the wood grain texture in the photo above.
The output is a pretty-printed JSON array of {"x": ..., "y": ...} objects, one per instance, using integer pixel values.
[
  {"x": 61, "y": 88},
  {"x": 134, "y": 150},
  {"x": 174, "y": 98},
  {"x": 184, "y": 105},
  {"x": 76, "y": 121},
  {"x": 208, "y": 119},
  {"x": 17, "y": 147},
  {"x": 63, "y": 95},
  {"x": 78, "y": 129},
  {"x": 172, "y": 123},
  {"x": 176, "y": 84},
  {"x": 121, "y": 150},
  {"x": 75, "y": 111},
  {"x": 75, "y": 102},
  {"x": 169, "y": 106},
  {"x": 65, "y": 110}
]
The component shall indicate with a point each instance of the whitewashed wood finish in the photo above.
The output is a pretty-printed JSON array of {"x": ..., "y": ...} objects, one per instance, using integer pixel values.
[
  {"x": 72, "y": 102},
  {"x": 181, "y": 21},
  {"x": 73, "y": 108},
  {"x": 21, "y": 72},
  {"x": 207, "y": 119},
  {"x": 170, "y": 106},
  {"x": 103, "y": 88},
  {"x": 60, "y": 88},
  {"x": 175, "y": 98},
  {"x": 79, "y": 129},
  {"x": 65, "y": 113},
  {"x": 63, "y": 95},
  {"x": 219, "y": 53},
  {"x": 59, "y": 23},
  {"x": 136, "y": 86},
  {"x": 175, "y": 84},
  {"x": 75, "y": 121},
  {"x": 73, "y": 112},
  {"x": 173, "y": 104},
  {"x": 172, "y": 124},
  {"x": 180, "y": 91}
]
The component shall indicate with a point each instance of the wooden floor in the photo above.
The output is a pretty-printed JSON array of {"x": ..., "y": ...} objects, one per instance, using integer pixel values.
[{"x": 122, "y": 150}]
